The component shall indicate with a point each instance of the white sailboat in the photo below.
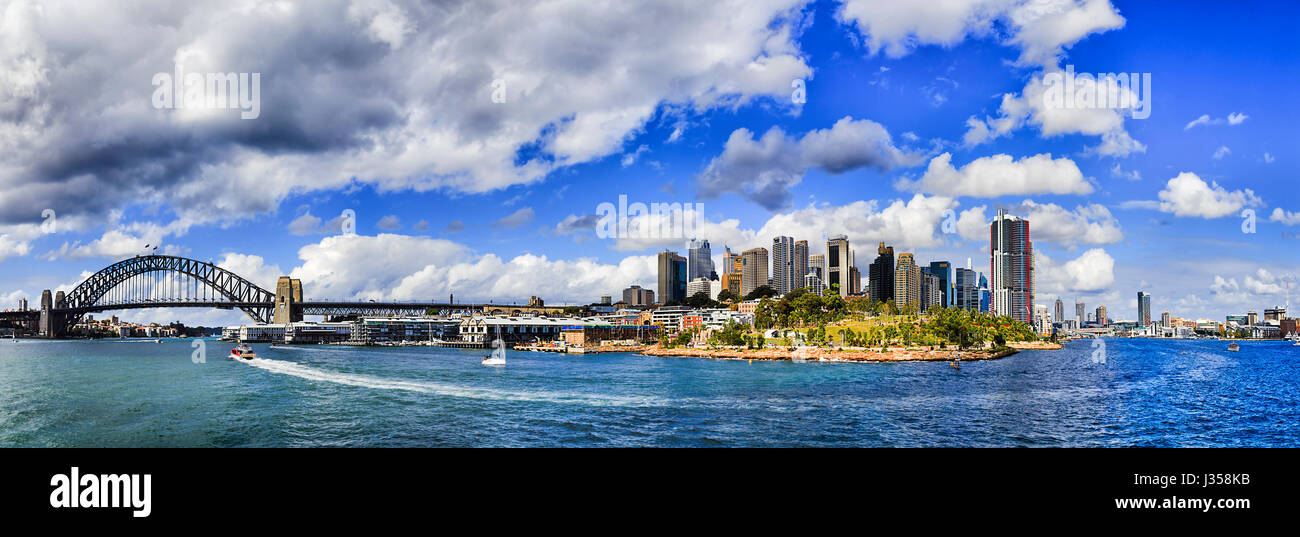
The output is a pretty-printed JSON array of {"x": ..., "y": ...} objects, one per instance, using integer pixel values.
[{"x": 498, "y": 356}]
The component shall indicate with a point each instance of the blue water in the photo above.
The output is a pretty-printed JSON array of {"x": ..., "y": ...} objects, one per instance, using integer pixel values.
[{"x": 1147, "y": 393}]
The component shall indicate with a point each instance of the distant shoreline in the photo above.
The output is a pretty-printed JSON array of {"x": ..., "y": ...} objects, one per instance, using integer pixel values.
[{"x": 898, "y": 354}]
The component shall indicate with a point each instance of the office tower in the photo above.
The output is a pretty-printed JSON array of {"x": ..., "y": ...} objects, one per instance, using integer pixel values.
[
  {"x": 672, "y": 277},
  {"x": 1275, "y": 313},
  {"x": 967, "y": 289},
  {"x": 1144, "y": 309},
  {"x": 1251, "y": 316},
  {"x": 986, "y": 296},
  {"x": 880, "y": 275},
  {"x": 1060, "y": 311},
  {"x": 1102, "y": 318},
  {"x": 636, "y": 296},
  {"x": 700, "y": 261},
  {"x": 783, "y": 274},
  {"x": 943, "y": 270},
  {"x": 838, "y": 260},
  {"x": 814, "y": 283},
  {"x": 855, "y": 279},
  {"x": 730, "y": 261},
  {"x": 606, "y": 300},
  {"x": 1079, "y": 307},
  {"x": 1164, "y": 319},
  {"x": 753, "y": 271},
  {"x": 800, "y": 263},
  {"x": 907, "y": 283},
  {"x": 817, "y": 265},
  {"x": 732, "y": 282},
  {"x": 698, "y": 285},
  {"x": 22, "y": 304},
  {"x": 1011, "y": 260},
  {"x": 931, "y": 290}
]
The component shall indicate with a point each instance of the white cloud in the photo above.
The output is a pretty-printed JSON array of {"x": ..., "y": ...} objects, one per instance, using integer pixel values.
[
  {"x": 1189, "y": 195},
  {"x": 1094, "y": 270},
  {"x": 1221, "y": 152},
  {"x": 389, "y": 223},
  {"x": 764, "y": 170},
  {"x": 1234, "y": 118},
  {"x": 1086, "y": 224},
  {"x": 1000, "y": 175},
  {"x": 1286, "y": 217},
  {"x": 1131, "y": 175},
  {"x": 1267, "y": 158}
]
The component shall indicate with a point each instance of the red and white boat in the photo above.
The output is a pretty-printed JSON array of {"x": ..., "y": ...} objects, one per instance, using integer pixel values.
[{"x": 242, "y": 352}]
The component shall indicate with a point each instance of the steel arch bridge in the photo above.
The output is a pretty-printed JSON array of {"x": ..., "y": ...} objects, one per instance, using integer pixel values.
[{"x": 158, "y": 281}]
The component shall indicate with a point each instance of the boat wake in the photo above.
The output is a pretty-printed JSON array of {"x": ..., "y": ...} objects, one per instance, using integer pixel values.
[{"x": 449, "y": 390}]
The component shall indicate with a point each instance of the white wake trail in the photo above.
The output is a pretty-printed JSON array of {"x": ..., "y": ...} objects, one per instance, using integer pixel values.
[{"x": 443, "y": 389}]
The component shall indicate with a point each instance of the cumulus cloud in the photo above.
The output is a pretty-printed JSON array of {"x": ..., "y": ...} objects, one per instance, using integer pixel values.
[
  {"x": 1221, "y": 152},
  {"x": 1286, "y": 217},
  {"x": 81, "y": 137},
  {"x": 1000, "y": 175},
  {"x": 1041, "y": 29},
  {"x": 1094, "y": 270},
  {"x": 389, "y": 223},
  {"x": 764, "y": 170},
  {"x": 1090, "y": 224},
  {"x": 1234, "y": 118},
  {"x": 1189, "y": 195}
]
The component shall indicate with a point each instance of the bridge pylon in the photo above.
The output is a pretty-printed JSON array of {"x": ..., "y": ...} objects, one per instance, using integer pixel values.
[{"x": 288, "y": 300}]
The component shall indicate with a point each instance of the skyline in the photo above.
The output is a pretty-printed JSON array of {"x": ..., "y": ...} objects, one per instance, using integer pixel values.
[{"x": 903, "y": 120}]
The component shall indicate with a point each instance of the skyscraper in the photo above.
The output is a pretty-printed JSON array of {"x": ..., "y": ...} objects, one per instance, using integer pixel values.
[
  {"x": 672, "y": 277},
  {"x": 800, "y": 264},
  {"x": 783, "y": 274},
  {"x": 730, "y": 261},
  {"x": 967, "y": 289},
  {"x": 753, "y": 272},
  {"x": 1165, "y": 320},
  {"x": 943, "y": 271},
  {"x": 1060, "y": 311},
  {"x": 931, "y": 292},
  {"x": 1102, "y": 316},
  {"x": 1011, "y": 260},
  {"x": 1144, "y": 309},
  {"x": 699, "y": 261},
  {"x": 1078, "y": 313},
  {"x": 817, "y": 265},
  {"x": 907, "y": 283},
  {"x": 880, "y": 275},
  {"x": 838, "y": 260}
]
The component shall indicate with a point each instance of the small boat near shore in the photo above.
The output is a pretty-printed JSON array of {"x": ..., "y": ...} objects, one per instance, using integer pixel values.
[{"x": 1234, "y": 347}]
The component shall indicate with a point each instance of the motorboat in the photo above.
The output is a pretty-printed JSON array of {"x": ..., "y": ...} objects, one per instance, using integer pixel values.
[
  {"x": 494, "y": 359},
  {"x": 242, "y": 352},
  {"x": 1234, "y": 347}
]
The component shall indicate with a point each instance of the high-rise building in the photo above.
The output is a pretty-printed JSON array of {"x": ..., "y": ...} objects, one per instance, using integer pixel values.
[
  {"x": 1011, "y": 260},
  {"x": 1060, "y": 311},
  {"x": 800, "y": 263},
  {"x": 931, "y": 290},
  {"x": 1251, "y": 316},
  {"x": 838, "y": 260},
  {"x": 814, "y": 283},
  {"x": 943, "y": 270},
  {"x": 672, "y": 277},
  {"x": 1164, "y": 319},
  {"x": 855, "y": 280},
  {"x": 730, "y": 261},
  {"x": 753, "y": 271},
  {"x": 1102, "y": 318},
  {"x": 817, "y": 265},
  {"x": 986, "y": 296},
  {"x": 907, "y": 283},
  {"x": 698, "y": 285},
  {"x": 967, "y": 289},
  {"x": 699, "y": 261},
  {"x": 1079, "y": 308},
  {"x": 880, "y": 275},
  {"x": 1144, "y": 309},
  {"x": 783, "y": 274},
  {"x": 732, "y": 282},
  {"x": 636, "y": 296}
]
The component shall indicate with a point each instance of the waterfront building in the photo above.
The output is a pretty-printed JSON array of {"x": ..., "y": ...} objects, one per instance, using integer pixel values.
[
  {"x": 1060, "y": 311},
  {"x": 1164, "y": 320},
  {"x": 672, "y": 277},
  {"x": 817, "y": 265},
  {"x": 1276, "y": 313},
  {"x": 838, "y": 260},
  {"x": 1102, "y": 318},
  {"x": 907, "y": 283},
  {"x": 669, "y": 317},
  {"x": 700, "y": 261},
  {"x": 479, "y": 330},
  {"x": 1144, "y": 309},
  {"x": 753, "y": 271},
  {"x": 397, "y": 330},
  {"x": 1011, "y": 260},
  {"x": 698, "y": 285},
  {"x": 966, "y": 287},
  {"x": 261, "y": 333},
  {"x": 800, "y": 264},
  {"x": 813, "y": 283},
  {"x": 1252, "y": 318},
  {"x": 880, "y": 275},
  {"x": 783, "y": 274},
  {"x": 328, "y": 332},
  {"x": 943, "y": 270},
  {"x": 636, "y": 296},
  {"x": 1042, "y": 322}
]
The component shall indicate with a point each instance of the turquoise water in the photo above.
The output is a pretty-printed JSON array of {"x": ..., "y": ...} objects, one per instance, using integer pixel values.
[{"x": 1147, "y": 393}]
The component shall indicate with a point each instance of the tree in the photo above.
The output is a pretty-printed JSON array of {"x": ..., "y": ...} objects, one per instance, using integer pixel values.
[
  {"x": 761, "y": 291},
  {"x": 701, "y": 300},
  {"x": 727, "y": 296}
]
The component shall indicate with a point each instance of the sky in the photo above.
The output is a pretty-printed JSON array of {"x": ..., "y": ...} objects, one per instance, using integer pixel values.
[{"x": 474, "y": 142}]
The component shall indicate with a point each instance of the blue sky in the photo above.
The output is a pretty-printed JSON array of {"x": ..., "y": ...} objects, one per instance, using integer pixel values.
[{"x": 393, "y": 119}]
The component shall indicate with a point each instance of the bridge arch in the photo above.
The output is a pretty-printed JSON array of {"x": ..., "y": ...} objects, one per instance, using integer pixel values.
[{"x": 89, "y": 294}]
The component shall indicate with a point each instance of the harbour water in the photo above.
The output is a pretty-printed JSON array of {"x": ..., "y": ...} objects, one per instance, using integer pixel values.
[{"x": 1145, "y": 393}]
